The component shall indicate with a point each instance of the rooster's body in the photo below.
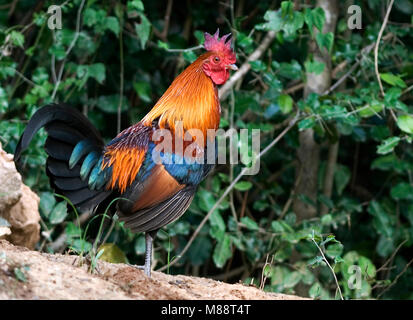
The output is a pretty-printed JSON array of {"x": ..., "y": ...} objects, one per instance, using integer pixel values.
[{"x": 153, "y": 191}]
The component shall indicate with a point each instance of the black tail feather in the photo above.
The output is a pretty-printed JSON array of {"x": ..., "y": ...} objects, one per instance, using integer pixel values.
[
  {"x": 58, "y": 150},
  {"x": 65, "y": 127}
]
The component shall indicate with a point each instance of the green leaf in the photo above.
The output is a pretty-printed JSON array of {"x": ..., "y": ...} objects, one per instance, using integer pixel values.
[
  {"x": 89, "y": 17},
  {"x": 290, "y": 27},
  {"x": 314, "y": 67},
  {"x": 17, "y": 38},
  {"x": 258, "y": 66},
  {"x": 143, "y": 29},
  {"x": 291, "y": 279},
  {"x": 4, "y": 104},
  {"x": 342, "y": 176},
  {"x": 405, "y": 123},
  {"x": 58, "y": 213},
  {"x": 385, "y": 246},
  {"x": 222, "y": 251},
  {"x": 402, "y": 191},
  {"x": 73, "y": 231},
  {"x": 112, "y": 23},
  {"x": 143, "y": 89},
  {"x": 290, "y": 70},
  {"x": 286, "y": 103},
  {"x": 80, "y": 245},
  {"x": 110, "y": 103},
  {"x": 326, "y": 201},
  {"x": 325, "y": 40},
  {"x": 20, "y": 275},
  {"x": 315, "y": 17},
  {"x": 317, "y": 291},
  {"x": 189, "y": 56},
  {"x": 393, "y": 80},
  {"x": 140, "y": 246},
  {"x": 287, "y": 9},
  {"x": 249, "y": 223},
  {"x": 367, "y": 267},
  {"x": 217, "y": 221},
  {"x": 98, "y": 72},
  {"x": 135, "y": 5},
  {"x": 243, "y": 185},
  {"x": 206, "y": 200},
  {"x": 200, "y": 251},
  {"x": 385, "y": 163},
  {"x": 382, "y": 220},
  {"x": 334, "y": 250},
  {"x": 47, "y": 202},
  {"x": 379, "y": 133},
  {"x": 199, "y": 35},
  {"x": 306, "y": 124},
  {"x": 163, "y": 45},
  {"x": 370, "y": 109},
  {"x": 388, "y": 145},
  {"x": 274, "y": 21}
]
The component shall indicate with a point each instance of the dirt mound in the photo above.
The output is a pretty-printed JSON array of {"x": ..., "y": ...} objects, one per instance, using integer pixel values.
[{"x": 26, "y": 274}]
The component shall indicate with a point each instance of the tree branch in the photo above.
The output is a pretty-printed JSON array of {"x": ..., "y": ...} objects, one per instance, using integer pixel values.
[{"x": 243, "y": 70}]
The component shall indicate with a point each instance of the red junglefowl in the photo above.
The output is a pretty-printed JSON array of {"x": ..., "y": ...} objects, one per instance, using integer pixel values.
[{"x": 152, "y": 193}]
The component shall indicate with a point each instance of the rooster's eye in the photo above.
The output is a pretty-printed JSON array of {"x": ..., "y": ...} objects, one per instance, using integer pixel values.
[{"x": 216, "y": 59}]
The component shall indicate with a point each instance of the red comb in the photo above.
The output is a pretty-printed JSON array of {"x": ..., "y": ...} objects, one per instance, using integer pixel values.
[{"x": 213, "y": 43}]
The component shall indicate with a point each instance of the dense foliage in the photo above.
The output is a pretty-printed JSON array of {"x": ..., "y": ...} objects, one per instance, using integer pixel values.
[{"x": 114, "y": 59}]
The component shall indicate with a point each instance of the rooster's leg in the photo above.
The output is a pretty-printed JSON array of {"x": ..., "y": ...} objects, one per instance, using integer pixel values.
[{"x": 149, "y": 236}]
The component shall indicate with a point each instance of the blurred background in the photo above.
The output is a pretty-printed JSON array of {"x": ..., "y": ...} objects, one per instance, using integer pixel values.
[{"x": 332, "y": 204}]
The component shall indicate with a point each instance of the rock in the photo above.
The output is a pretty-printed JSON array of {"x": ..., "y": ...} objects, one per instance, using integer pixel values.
[
  {"x": 4, "y": 228},
  {"x": 10, "y": 182},
  {"x": 19, "y": 206},
  {"x": 24, "y": 219},
  {"x": 56, "y": 276}
]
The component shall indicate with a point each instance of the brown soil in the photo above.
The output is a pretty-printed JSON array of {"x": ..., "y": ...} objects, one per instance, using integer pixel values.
[{"x": 26, "y": 274}]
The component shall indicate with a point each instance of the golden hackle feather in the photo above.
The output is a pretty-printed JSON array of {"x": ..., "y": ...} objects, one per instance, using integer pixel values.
[{"x": 191, "y": 99}]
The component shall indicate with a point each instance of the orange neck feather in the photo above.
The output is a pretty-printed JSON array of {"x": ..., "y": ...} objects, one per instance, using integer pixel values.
[{"x": 191, "y": 98}]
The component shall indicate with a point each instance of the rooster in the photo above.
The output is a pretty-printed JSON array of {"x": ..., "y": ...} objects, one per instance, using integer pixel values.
[{"x": 151, "y": 194}]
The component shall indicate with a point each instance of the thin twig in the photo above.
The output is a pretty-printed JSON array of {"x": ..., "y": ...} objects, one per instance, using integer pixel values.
[
  {"x": 164, "y": 33},
  {"x": 263, "y": 273},
  {"x": 21, "y": 75},
  {"x": 391, "y": 257},
  {"x": 69, "y": 49},
  {"x": 344, "y": 77},
  {"x": 376, "y": 53},
  {"x": 227, "y": 191},
  {"x": 185, "y": 50},
  {"x": 407, "y": 90},
  {"x": 231, "y": 166},
  {"x": 396, "y": 279},
  {"x": 365, "y": 51},
  {"x": 328, "y": 264}
]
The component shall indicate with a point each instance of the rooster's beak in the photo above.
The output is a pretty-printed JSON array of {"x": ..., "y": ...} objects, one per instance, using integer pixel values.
[{"x": 232, "y": 67}]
